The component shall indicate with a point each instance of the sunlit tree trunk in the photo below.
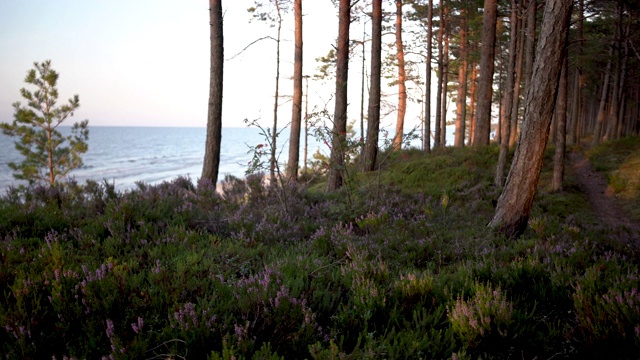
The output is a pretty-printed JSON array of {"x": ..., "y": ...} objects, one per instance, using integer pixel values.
[
  {"x": 514, "y": 204},
  {"x": 296, "y": 116},
  {"x": 508, "y": 96},
  {"x": 373, "y": 123},
  {"x": 472, "y": 101},
  {"x": 214, "y": 114},
  {"x": 561, "y": 125},
  {"x": 339, "y": 133},
  {"x": 485, "y": 85},
  {"x": 402, "y": 89},
  {"x": 461, "y": 104}
]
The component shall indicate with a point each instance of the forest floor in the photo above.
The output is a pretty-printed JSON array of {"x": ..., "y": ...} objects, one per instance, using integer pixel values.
[{"x": 602, "y": 200}]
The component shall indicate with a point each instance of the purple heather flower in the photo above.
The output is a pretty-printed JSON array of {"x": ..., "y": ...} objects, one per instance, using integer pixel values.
[{"x": 110, "y": 328}]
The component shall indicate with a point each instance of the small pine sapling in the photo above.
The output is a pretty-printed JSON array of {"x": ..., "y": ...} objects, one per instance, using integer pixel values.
[{"x": 48, "y": 155}]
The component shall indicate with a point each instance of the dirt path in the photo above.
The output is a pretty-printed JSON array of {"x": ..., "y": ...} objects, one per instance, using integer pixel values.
[{"x": 603, "y": 203}]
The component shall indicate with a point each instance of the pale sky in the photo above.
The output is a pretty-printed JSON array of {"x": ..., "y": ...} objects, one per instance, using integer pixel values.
[{"x": 146, "y": 62}]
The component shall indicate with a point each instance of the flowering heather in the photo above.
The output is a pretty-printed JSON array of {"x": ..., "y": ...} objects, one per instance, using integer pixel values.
[
  {"x": 486, "y": 312},
  {"x": 397, "y": 265}
]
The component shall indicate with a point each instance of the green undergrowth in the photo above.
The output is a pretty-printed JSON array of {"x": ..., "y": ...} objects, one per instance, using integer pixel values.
[
  {"x": 398, "y": 264},
  {"x": 619, "y": 160}
]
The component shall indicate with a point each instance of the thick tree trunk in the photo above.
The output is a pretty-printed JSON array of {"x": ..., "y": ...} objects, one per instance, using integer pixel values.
[
  {"x": 373, "y": 123},
  {"x": 426, "y": 140},
  {"x": 508, "y": 97},
  {"x": 485, "y": 86},
  {"x": 514, "y": 204},
  {"x": 214, "y": 114},
  {"x": 339, "y": 133},
  {"x": 296, "y": 116},
  {"x": 561, "y": 125},
  {"x": 402, "y": 89},
  {"x": 461, "y": 104}
]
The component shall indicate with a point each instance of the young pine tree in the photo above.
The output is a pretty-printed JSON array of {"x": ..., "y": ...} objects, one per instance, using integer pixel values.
[{"x": 48, "y": 155}]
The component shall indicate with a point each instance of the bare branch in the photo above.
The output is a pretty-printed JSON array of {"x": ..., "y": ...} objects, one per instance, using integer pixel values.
[{"x": 251, "y": 44}]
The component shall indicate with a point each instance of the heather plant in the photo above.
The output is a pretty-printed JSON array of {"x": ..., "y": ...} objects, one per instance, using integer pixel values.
[
  {"x": 280, "y": 184},
  {"x": 486, "y": 313},
  {"x": 608, "y": 306},
  {"x": 178, "y": 270}
]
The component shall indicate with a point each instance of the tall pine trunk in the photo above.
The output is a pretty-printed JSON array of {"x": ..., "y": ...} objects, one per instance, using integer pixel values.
[
  {"x": 214, "y": 113},
  {"x": 426, "y": 140},
  {"x": 274, "y": 134},
  {"x": 472, "y": 101},
  {"x": 445, "y": 83},
  {"x": 530, "y": 41},
  {"x": 461, "y": 104},
  {"x": 439, "y": 91},
  {"x": 561, "y": 124},
  {"x": 514, "y": 205},
  {"x": 515, "y": 110},
  {"x": 339, "y": 133},
  {"x": 362, "y": 87},
  {"x": 600, "y": 120},
  {"x": 296, "y": 116},
  {"x": 617, "y": 91},
  {"x": 306, "y": 120},
  {"x": 621, "y": 89},
  {"x": 508, "y": 97},
  {"x": 402, "y": 88},
  {"x": 485, "y": 86},
  {"x": 373, "y": 123},
  {"x": 576, "y": 106}
]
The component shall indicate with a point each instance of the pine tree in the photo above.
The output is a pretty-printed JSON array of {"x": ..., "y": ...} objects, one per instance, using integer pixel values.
[
  {"x": 214, "y": 114},
  {"x": 48, "y": 154}
]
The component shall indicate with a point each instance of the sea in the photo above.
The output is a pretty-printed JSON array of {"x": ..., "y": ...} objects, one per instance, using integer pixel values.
[{"x": 124, "y": 156}]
